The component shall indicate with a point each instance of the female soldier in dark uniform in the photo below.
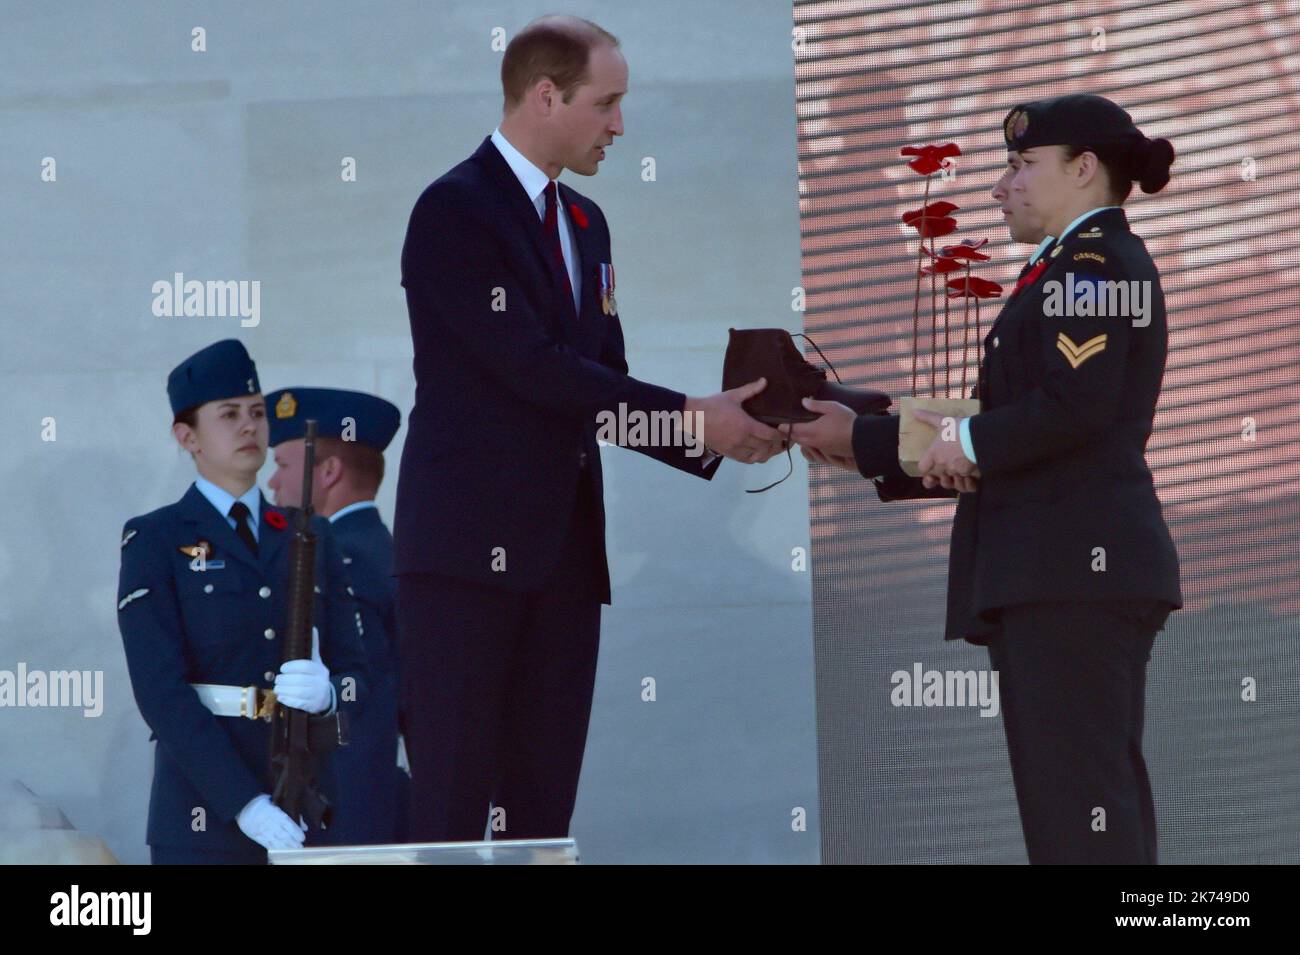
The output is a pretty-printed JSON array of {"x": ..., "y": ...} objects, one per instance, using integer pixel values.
[
  {"x": 201, "y": 603},
  {"x": 1060, "y": 560}
]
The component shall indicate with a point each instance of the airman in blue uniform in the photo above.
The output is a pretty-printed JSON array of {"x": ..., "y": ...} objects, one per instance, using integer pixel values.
[
  {"x": 352, "y": 431},
  {"x": 201, "y": 606}
]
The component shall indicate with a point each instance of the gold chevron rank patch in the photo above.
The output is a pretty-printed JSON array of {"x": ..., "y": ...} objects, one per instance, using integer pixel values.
[{"x": 1076, "y": 355}]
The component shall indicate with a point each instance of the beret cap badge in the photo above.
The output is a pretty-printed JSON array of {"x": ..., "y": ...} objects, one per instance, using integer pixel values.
[
  {"x": 1017, "y": 123},
  {"x": 287, "y": 406}
]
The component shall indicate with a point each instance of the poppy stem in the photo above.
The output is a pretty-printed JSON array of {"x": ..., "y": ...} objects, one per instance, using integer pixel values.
[
  {"x": 965, "y": 352},
  {"x": 916, "y": 294}
]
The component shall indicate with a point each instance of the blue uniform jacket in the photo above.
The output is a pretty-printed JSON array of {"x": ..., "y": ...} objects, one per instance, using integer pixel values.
[
  {"x": 370, "y": 807},
  {"x": 219, "y": 625}
]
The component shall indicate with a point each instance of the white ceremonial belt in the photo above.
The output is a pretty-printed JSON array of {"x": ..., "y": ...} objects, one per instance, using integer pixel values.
[{"x": 250, "y": 702}]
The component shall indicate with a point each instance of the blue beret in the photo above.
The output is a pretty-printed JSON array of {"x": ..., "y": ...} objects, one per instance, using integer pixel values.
[
  {"x": 222, "y": 370},
  {"x": 373, "y": 421}
]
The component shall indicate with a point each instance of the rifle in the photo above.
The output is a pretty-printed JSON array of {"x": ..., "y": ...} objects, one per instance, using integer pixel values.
[{"x": 297, "y": 737}]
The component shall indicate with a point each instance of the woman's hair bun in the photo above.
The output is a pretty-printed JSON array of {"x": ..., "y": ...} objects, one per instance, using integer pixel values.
[{"x": 1151, "y": 161}]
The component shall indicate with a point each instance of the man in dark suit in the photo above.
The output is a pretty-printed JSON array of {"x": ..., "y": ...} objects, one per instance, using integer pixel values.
[
  {"x": 1060, "y": 560},
  {"x": 499, "y": 529}
]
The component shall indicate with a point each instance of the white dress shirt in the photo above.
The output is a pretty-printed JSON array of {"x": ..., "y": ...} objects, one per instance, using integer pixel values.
[{"x": 534, "y": 182}]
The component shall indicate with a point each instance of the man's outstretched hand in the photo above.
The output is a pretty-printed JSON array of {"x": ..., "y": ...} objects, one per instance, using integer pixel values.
[
  {"x": 830, "y": 435},
  {"x": 821, "y": 457},
  {"x": 724, "y": 427}
]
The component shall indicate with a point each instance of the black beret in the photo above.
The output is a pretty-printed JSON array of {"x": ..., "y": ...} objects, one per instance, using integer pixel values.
[{"x": 1078, "y": 119}]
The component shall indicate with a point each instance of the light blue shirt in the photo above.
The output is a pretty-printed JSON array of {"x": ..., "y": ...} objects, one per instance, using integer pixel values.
[
  {"x": 963, "y": 429},
  {"x": 354, "y": 506},
  {"x": 534, "y": 181},
  {"x": 222, "y": 500}
]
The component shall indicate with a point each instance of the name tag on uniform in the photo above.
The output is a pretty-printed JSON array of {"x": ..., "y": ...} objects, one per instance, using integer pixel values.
[{"x": 210, "y": 565}]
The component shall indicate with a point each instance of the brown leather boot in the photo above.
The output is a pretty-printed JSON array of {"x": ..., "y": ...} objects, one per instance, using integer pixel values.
[{"x": 770, "y": 353}]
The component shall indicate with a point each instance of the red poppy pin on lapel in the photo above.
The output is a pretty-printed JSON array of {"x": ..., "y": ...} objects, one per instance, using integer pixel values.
[
  {"x": 276, "y": 519},
  {"x": 1029, "y": 277},
  {"x": 579, "y": 217}
]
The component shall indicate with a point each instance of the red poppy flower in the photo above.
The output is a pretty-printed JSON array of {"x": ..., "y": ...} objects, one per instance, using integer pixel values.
[
  {"x": 932, "y": 220},
  {"x": 579, "y": 217},
  {"x": 929, "y": 158},
  {"x": 276, "y": 519},
  {"x": 933, "y": 227},
  {"x": 932, "y": 210},
  {"x": 966, "y": 249},
  {"x": 973, "y": 287},
  {"x": 942, "y": 266}
]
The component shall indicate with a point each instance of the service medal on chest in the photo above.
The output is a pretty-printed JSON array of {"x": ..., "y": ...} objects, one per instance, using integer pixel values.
[{"x": 608, "y": 305}]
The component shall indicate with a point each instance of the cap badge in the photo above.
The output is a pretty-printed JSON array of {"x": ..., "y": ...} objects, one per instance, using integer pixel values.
[{"x": 1015, "y": 125}]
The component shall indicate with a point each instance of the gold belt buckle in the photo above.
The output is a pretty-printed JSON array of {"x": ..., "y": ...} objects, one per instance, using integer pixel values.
[
  {"x": 260, "y": 701},
  {"x": 265, "y": 703}
]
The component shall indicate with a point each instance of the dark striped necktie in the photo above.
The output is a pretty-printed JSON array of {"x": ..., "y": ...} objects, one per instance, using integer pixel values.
[{"x": 551, "y": 225}]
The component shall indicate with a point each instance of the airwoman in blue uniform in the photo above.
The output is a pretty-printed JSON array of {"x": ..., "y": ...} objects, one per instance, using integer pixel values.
[
  {"x": 353, "y": 429},
  {"x": 1060, "y": 561},
  {"x": 201, "y": 606}
]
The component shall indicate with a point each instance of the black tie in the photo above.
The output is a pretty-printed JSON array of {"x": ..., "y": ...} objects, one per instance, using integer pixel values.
[{"x": 239, "y": 511}]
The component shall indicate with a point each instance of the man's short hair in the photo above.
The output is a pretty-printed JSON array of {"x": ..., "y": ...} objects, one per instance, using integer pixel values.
[
  {"x": 363, "y": 463},
  {"x": 558, "y": 47}
]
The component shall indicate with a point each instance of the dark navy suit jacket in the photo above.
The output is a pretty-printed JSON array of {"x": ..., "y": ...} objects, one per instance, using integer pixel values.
[{"x": 508, "y": 384}]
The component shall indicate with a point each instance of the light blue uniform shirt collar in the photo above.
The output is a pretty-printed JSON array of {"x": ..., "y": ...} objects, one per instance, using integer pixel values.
[
  {"x": 222, "y": 500},
  {"x": 354, "y": 506},
  {"x": 1047, "y": 242}
]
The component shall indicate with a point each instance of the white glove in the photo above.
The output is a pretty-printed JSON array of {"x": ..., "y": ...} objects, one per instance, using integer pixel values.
[
  {"x": 305, "y": 684},
  {"x": 270, "y": 826}
]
